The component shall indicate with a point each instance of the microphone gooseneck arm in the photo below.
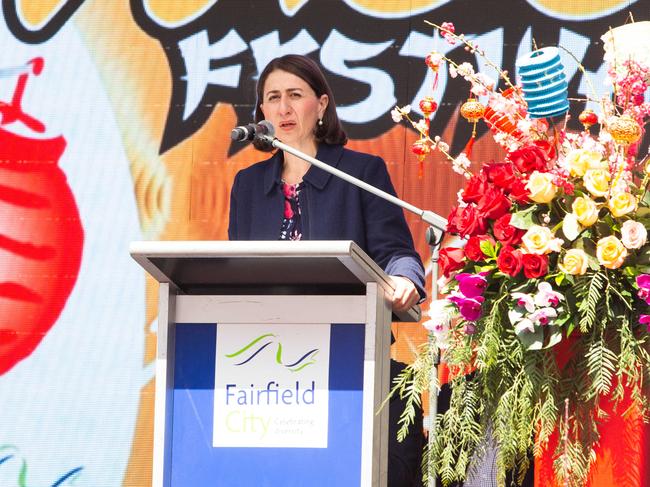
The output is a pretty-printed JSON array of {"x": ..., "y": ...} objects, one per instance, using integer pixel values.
[
  {"x": 436, "y": 221},
  {"x": 434, "y": 236}
]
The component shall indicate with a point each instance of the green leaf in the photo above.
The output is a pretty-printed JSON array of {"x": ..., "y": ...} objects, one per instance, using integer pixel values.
[
  {"x": 523, "y": 219},
  {"x": 488, "y": 249},
  {"x": 562, "y": 319},
  {"x": 645, "y": 201},
  {"x": 643, "y": 256},
  {"x": 554, "y": 337},
  {"x": 485, "y": 268},
  {"x": 532, "y": 340},
  {"x": 570, "y": 328},
  {"x": 644, "y": 211}
]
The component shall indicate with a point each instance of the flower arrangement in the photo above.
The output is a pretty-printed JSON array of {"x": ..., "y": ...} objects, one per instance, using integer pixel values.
[{"x": 547, "y": 309}]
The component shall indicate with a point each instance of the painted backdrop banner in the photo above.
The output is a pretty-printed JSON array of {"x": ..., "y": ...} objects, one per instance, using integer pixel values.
[{"x": 114, "y": 126}]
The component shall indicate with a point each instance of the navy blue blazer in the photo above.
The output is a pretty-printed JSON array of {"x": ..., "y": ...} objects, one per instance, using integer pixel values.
[{"x": 331, "y": 209}]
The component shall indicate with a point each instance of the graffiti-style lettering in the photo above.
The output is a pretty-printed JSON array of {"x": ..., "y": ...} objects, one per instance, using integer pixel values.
[
  {"x": 373, "y": 58},
  {"x": 338, "y": 49},
  {"x": 198, "y": 53},
  {"x": 269, "y": 46},
  {"x": 53, "y": 22}
]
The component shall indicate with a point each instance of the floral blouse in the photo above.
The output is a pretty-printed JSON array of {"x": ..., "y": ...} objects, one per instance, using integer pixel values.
[{"x": 291, "y": 225}]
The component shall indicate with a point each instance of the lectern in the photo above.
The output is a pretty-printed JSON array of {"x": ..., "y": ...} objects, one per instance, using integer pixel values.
[{"x": 272, "y": 362}]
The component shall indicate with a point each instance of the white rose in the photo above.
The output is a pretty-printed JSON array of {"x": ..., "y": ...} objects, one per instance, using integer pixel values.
[{"x": 633, "y": 234}]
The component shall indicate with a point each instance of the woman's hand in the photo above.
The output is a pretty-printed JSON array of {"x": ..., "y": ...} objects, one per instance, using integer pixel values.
[{"x": 405, "y": 294}]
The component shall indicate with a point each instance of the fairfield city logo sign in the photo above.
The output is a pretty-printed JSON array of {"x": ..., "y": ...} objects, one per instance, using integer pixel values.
[
  {"x": 255, "y": 347},
  {"x": 273, "y": 394},
  {"x": 271, "y": 385}
]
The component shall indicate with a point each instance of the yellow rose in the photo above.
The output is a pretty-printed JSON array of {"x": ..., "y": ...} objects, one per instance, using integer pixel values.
[
  {"x": 611, "y": 252},
  {"x": 541, "y": 187},
  {"x": 578, "y": 161},
  {"x": 585, "y": 210},
  {"x": 597, "y": 181},
  {"x": 540, "y": 240},
  {"x": 621, "y": 203},
  {"x": 574, "y": 262}
]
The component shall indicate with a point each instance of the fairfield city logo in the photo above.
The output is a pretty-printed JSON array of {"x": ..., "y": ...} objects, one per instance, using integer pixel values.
[
  {"x": 273, "y": 394},
  {"x": 255, "y": 347}
]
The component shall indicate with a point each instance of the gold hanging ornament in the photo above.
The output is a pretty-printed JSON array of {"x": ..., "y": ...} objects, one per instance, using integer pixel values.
[
  {"x": 624, "y": 129},
  {"x": 472, "y": 111}
]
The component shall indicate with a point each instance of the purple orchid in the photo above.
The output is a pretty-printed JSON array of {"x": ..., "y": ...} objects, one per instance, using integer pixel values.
[
  {"x": 543, "y": 316},
  {"x": 469, "y": 329},
  {"x": 546, "y": 296},
  {"x": 525, "y": 301},
  {"x": 643, "y": 281},
  {"x": 472, "y": 285},
  {"x": 645, "y": 320},
  {"x": 469, "y": 308}
]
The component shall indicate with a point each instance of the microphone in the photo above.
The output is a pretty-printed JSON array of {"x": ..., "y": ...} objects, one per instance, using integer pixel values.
[{"x": 252, "y": 131}]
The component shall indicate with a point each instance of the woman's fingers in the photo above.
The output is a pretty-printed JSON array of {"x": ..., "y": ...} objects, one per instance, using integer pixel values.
[{"x": 405, "y": 294}]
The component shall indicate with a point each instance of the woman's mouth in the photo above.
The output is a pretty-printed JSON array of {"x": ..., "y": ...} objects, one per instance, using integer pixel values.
[{"x": 287, "y": 125}]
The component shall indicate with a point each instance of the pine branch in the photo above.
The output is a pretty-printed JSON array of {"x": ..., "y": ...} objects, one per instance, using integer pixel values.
[{"x": 590, "y": 296}]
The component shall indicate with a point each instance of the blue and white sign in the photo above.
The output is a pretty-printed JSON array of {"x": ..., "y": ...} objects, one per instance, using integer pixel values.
[
  {"x": 271, "y": 386},
  {"x": 274, "y": 457}
]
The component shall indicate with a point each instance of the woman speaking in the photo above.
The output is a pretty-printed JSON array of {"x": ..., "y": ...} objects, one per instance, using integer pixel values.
[{"x": 285, "y": 198}]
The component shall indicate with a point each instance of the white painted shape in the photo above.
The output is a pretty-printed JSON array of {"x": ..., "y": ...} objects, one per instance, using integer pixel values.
[{"x": 74, "y": 401}]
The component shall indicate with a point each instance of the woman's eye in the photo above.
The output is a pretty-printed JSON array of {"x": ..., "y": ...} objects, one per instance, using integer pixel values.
[{"x": 295, "y": 95}]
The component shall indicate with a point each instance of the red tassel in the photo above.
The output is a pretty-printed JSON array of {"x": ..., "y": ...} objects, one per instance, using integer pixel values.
[
  {"x": 470, "y": 144},
  {"x": 468, "y": 147}
]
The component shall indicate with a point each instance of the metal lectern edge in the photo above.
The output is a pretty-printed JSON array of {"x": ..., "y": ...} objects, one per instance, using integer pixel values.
[{"x": 346, "y": 251}]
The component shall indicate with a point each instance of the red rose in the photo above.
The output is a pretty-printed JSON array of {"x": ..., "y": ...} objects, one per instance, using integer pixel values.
[
  {"x": 509, "y": 261},
  {"x": 501, "y": 174},
  {"x": 493, "y": 203},
  {"x": 451, "y": 259},
  {"x": 473, "y": 247},
  {"x": 506, "y": 233},
  {"x": 519, "y": 192},
  {"x": 466, "y": 221},
  {"x": 529, "y": 158},
  {"x": 534, "y": 265},
  {"x": 547, "y": 147},
  {"x": 476, "y": 186}
]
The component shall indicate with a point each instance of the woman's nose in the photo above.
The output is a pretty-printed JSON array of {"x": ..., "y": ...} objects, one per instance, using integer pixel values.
[{"x": 285, "y": 105}]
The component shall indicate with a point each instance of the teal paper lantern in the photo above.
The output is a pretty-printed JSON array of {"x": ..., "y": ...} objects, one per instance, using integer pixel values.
[{"x": 544, "y": 84}]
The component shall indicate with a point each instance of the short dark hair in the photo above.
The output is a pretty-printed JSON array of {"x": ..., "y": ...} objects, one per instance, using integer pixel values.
[{"x": 331, "y": 131}]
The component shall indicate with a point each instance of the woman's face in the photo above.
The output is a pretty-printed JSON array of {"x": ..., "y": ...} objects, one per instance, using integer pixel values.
[{"x": 293, "y": 108}]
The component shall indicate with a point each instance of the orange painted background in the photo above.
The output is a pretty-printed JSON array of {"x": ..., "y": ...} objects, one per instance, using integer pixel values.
[{"x": 168, "y": 175}]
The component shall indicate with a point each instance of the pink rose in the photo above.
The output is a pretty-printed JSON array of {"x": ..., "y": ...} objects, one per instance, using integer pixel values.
[{"x": 633, "y": 234}]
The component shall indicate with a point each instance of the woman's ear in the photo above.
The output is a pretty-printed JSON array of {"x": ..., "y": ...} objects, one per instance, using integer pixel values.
[{"x": 323, "y": 101}]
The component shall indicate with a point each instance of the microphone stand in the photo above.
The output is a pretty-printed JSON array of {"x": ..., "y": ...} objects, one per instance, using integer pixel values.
[{"x": 434, "y": 235}]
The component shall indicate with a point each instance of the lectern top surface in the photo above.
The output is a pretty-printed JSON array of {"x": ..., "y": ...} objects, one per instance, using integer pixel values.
[{"x": 260, "y": 267}]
